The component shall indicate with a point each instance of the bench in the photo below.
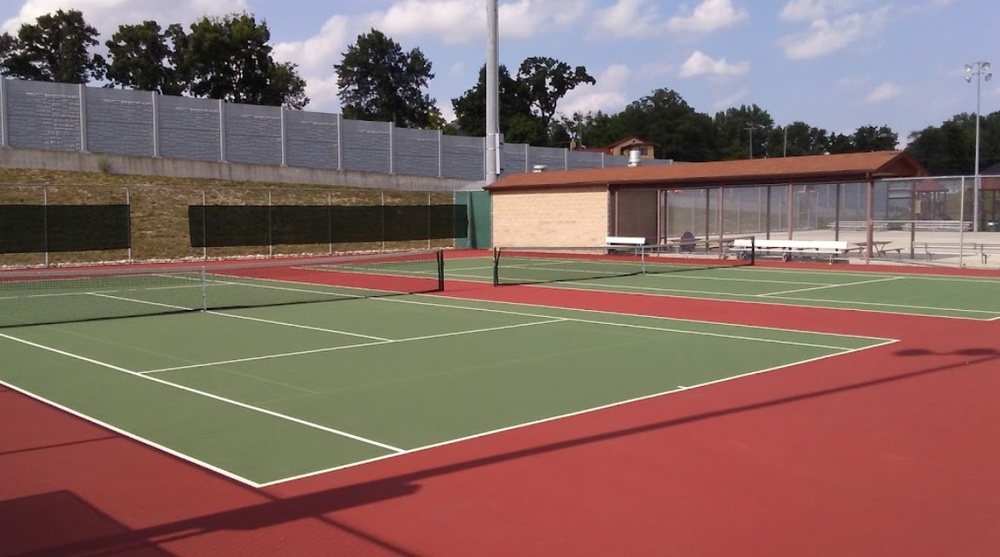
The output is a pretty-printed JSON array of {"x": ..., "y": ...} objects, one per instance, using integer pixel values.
[
  {"x": 938, "y": 225},
  {"x": 623, "y": 243},
  {"x": 788, "y": 249},
  {"x": 617, "y": 241},
  {"x": 919, "y": 225},
  {"x": 986, "y": 250},
  {"x": 930, "y": 249},
  {"x": 878, "y": 226}
]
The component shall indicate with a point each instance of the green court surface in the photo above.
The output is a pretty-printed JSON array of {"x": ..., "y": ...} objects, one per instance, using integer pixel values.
[
  {"x": 905, "y": 293},
  {"x": 266, "y": 394}
]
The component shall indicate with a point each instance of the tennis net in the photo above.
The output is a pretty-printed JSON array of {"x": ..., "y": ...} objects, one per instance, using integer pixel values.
[
  {"x": 531, "y": 265},
  {"x": 46, "y": 296}
]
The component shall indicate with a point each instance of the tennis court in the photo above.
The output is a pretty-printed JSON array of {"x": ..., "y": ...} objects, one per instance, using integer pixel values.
[
  {"x": 907, "y": 291},
  {"x": 284, "y": 376},
  {"x": 421, "y": 410}
]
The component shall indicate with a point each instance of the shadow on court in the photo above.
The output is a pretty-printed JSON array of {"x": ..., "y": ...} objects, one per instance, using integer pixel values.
[{"x": 319, "y": 505}]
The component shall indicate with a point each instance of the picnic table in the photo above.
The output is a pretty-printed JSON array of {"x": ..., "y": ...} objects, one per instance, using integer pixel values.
[{"x": 879, "y": 248}]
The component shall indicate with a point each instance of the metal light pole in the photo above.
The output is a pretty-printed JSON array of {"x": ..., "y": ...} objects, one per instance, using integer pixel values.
[
  {"x": 494, "y": 141},
  {"x": 750, "y": 128},
  {"x": 981, "y": 71}
]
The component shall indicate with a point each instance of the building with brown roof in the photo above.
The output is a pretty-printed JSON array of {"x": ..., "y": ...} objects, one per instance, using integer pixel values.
[{"x": 584, "y": 207}]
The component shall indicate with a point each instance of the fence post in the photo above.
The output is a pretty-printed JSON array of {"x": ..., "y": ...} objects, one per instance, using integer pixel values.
[
  {"x": 222, "y": 131},
  {"x": 128, "y": 203},
  {"x": 284, "y": 137},
  {"x": 392, "y": 148},
  {"x": 45, "y": 222},
  {"x": 204, "y": 225},
  {"x": 156, "y": 123},
  {"x": 340, "y": 142},
  {"x": 4, "y": 141},
  {"x": 82, "y": 97},
  {"x": 440, "y": 134}
]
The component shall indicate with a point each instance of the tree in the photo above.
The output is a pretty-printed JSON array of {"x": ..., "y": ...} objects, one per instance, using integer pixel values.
[
  {"x": 949, "y": 149},
  {"x": 796, "y": 139},
  {"x": 54, "y": 48},
  {"x": 664, "y": 118},
  {"x": 378, "y": 81},
  {"x": 229, "y": 58},
  {"x": 547, "y": 81},
  {"x": 516, "y": 121},
  {"x": 870, "y": 138},
  {"x": 144, "y": 58},
  {"x": 743, "y": 132}
]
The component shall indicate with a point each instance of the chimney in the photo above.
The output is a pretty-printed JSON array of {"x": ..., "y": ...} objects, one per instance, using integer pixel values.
[{"x": 634, "y": 157}]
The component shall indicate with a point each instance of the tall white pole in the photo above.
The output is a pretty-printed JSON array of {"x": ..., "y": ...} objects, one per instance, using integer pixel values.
[
  {"x": 975, "y": 183},
  {"x": 980, "y": 71},
  {"x": 493, "y": 140}
]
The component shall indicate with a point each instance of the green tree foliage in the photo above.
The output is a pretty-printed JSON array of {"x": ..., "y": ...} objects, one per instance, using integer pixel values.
[
  {"x": 738, "y": 130},
  {"x": 797, "y": 139},
  {"x": 144, "y": 58},
  {"x": 870, "y": 138},
  {"x": 55, "y": 48},
  {"x": 679, "y": 132},
  {"x": 378, "y": 81},
  {"x": 470, "y": 108},
  {"x": 950, "y": 149},
  {"x": 229, "y": 58},
  {"x": 595, "y": 129},
  {"x": 527, "y": 102},
  {"x": 547, "y": 81}
]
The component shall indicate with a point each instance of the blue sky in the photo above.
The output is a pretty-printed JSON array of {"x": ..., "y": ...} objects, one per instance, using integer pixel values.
[{"x": 835, "y": 64}]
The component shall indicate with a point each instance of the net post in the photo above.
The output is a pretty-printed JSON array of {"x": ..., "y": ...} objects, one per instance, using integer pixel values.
[
  {"x": 496, "y": 266},
  {"x": 753, "y": 249},
  {"x": 642, "y": 259},
  {"x": 440, "y": 270},
  {"x": 204, "y": 289}
]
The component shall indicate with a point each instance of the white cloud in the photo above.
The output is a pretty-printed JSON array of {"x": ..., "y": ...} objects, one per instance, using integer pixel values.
[
  {"x": 607, "y": 95},
  {"x": 929, "y": 6},
  {"x": 699, "y": 64},
  {"x": 884, "y": 92},
  {"x": 825, "y": 36},
  {"x": 853, "y": 81},
  {"x": 107, "y": 15},
  {"x": 730, "y": 101},
  {"x": 628, "y": 19},
  {"x": 461, "y": 21},
  {"x": 708, "y": 16},
  {"x": 808, "y": 10}
]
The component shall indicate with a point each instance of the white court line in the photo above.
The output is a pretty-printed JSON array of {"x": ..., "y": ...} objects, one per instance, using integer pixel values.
[
  {"x": 350, "y": 346},
  {"x": 402, "y": 300},
  {"x": 143, "y": 440},
  {"x": 549, "y": 319},
  {"x": 202, "y": 393},
  {"x": 650, "y": 327},
  {"x": 826, "y": 286},
  {"x": 755, "y": 299},
  {"x": 244, "y": 317},
  {"x": 563, "y": 416}
]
